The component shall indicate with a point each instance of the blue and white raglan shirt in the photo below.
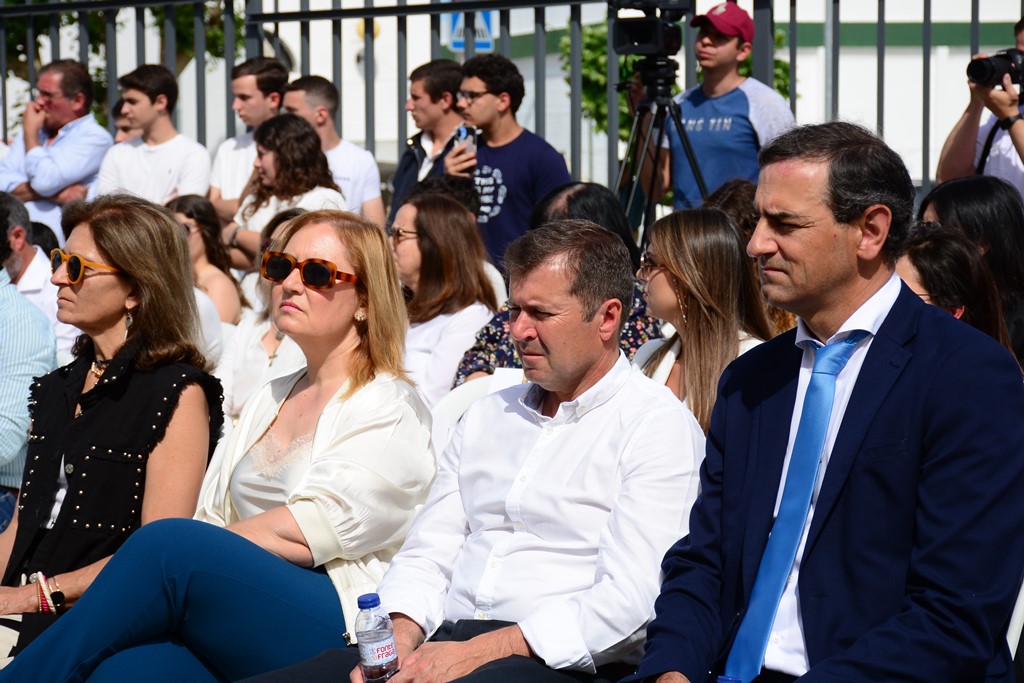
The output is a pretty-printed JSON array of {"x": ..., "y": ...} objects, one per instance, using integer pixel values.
[{"x": 726, "y": 133}]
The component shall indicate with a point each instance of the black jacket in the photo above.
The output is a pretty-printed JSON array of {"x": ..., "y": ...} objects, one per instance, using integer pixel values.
[{"x": 408, "y": 171}]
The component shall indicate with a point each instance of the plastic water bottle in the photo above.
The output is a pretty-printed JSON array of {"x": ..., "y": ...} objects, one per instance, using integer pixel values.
[{"x": 378, "y": 657}]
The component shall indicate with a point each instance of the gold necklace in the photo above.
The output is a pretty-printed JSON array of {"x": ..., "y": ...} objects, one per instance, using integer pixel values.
[{"x": 98, "y": 367}]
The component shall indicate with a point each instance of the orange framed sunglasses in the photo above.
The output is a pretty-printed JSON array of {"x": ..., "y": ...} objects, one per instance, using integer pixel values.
[
  {"x": 76, "y": 265},
  {"x": 315, "y": 273}
]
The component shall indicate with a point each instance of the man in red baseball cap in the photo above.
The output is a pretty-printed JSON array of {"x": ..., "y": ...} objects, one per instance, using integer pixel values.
[
  {"x": 728, "y": 117},
  {"x": 729, "y": 19}
]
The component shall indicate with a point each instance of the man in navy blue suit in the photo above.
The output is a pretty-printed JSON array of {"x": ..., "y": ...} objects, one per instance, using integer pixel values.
[{"x": 906, "y": 556}]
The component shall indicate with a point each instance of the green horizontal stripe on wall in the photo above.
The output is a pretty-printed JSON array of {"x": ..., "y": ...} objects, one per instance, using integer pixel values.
[
  {"x": 812, "y": 34},
  {"x": 902, "y": 34}
]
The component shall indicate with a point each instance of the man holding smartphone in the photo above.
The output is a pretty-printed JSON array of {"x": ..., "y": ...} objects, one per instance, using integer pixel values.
[
  {"x": 433, "y": 91},
  {"x": 512, "y": 167}
]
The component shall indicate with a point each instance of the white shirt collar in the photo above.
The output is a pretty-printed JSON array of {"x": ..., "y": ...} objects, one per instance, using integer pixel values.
[
  {"x": 869, "y": 316},
  {"x": 603, "y": 390}
]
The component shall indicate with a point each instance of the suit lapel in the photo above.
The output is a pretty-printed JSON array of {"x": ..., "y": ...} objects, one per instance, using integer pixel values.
[
  {"x": 767, "y": 453},
  {"x": 886, "y": 359}
]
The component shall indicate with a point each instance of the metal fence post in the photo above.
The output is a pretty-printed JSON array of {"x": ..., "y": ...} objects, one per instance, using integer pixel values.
[
  {"x": 253, "y": 32},
  {"x": 764, "y": 42},
  {"x": 576, "y": 91},
  {"x": 199, "y": 48},
  {"x": 368, "y": 76}
]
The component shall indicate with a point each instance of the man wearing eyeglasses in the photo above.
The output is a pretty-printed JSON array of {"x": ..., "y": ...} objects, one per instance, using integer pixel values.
[
  {"x": 56, "y": 157},
  {"x": 512, "y": 167}
]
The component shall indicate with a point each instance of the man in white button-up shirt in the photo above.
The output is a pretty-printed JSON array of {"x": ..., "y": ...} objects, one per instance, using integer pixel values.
[{"x": 536, "y": 556}]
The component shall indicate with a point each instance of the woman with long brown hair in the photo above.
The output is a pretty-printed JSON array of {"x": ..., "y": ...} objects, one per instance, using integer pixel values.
[
  {"x": 440, "y": 256},
  {"x": 696, "y": 278},
  {"x": 290, "y": 171},
  {"x": 121, "y": 436},
  {"x": 211, "y": 262}
]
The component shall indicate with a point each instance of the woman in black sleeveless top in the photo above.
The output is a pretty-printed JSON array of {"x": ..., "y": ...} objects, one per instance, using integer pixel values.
[{"x": 122, "y": 435}]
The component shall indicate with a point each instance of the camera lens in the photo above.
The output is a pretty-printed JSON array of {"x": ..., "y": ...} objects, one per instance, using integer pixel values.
[{"x": 988, "y": 71}]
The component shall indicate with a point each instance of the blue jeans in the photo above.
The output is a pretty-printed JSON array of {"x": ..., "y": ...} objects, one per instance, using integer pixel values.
[
  {"x": 187, "y": 601},
  {"x": 7, "y": 502}
]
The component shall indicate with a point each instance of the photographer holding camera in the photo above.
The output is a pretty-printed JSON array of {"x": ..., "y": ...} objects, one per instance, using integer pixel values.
[{"x": 995, "y": 148}]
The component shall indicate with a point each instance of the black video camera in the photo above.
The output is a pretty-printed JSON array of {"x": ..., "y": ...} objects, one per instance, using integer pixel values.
[
  {"x": 990, "y": 70},
  {"x": 655, "y": 35}
]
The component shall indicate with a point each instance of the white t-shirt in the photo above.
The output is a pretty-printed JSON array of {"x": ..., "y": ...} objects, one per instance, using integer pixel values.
[
  {"x": 1003, "y": 161},
  {"x": 434, "y": 348},
  {"x": 158, "y": 173},
  {"x": 232, "y": 166},
  {"x": 314, "y": 200},
  {"x": 209, "y": 326},
  {"x": 356, "y": 173}
]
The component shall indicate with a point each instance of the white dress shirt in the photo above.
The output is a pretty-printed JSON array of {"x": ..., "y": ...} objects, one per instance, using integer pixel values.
[
  {"x": 557, "y": 523},
  {"x": 35, "y": 285},
  {"x": 786, "y": 649}
]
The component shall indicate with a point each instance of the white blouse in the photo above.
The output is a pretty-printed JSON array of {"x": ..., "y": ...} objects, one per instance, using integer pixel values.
[
  {"x": 314, "y": 200},
  {"x": 368, "y": 472},
  {"x": 434, "y": 348}
]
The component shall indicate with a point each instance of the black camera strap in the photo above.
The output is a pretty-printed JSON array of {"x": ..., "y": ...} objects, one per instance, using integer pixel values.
[{"x": 987, "y": 148}]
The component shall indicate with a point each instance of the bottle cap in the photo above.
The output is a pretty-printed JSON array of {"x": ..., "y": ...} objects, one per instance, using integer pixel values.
[{"x": 368, "y": 601}]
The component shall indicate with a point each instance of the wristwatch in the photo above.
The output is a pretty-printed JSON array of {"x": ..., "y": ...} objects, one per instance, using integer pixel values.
[
  {"x": 1009, "y": 121},
  {"x": 56, "y": 594},
  {"x": 233, "y": 242}
]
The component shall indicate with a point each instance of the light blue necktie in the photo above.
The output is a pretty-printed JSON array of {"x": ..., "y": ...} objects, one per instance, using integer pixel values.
[{"x": 748, "y": 649}]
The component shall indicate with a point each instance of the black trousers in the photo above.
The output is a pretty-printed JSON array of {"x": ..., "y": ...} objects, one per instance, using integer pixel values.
[{"x": 332, "y": 666}]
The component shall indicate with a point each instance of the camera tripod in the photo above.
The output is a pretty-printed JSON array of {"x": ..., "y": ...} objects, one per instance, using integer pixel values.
[{"x": 657, "y": 74}]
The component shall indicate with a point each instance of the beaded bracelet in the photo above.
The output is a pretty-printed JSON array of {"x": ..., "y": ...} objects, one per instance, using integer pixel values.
[{"x": 46, "y": 605}]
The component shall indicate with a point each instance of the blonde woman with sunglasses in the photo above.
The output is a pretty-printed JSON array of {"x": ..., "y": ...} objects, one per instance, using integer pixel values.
[
  {"x": 300, "y": 513},
  {"x": 122, "y": 435}
]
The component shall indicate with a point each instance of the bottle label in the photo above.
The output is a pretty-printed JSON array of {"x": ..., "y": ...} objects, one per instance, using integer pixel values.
[{"x": 378, "y": 652}]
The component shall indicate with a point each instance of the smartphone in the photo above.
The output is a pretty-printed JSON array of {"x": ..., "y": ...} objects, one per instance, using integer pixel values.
[{"x": 466, "y": 135}]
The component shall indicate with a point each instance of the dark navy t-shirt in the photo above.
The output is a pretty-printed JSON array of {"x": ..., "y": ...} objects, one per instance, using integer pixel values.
[{"x": 510, "y": 180}]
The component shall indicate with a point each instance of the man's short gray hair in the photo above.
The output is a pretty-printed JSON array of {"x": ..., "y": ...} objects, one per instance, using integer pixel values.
[
  {"x": 596, "y": 260},
  {"x": 13, "y": 213}
]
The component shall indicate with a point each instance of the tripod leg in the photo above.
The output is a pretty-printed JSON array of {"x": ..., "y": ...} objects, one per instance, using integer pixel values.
[
  {"x": 637, "y": 116},
  {"x": 691, "y": 157},
  {"x": 657, "y": 122}
]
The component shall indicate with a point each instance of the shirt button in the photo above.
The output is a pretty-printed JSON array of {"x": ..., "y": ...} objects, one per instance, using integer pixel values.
[
  {"x": 69, "y": 469},
  {"x": 522, "y": 478},
  {"x": 549, "y": 430},
  {"x": 480, "y": 615},
  {"x": 494, "y": 564},
  {"x": 518, "y": 526},
  {"x": 776, "y": 640}
]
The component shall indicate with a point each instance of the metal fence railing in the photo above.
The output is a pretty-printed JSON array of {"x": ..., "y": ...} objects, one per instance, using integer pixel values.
[{"x": 316, "y": 36}]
